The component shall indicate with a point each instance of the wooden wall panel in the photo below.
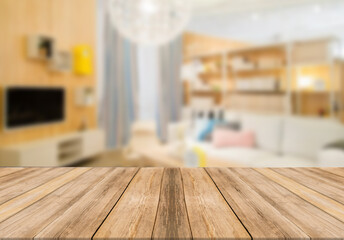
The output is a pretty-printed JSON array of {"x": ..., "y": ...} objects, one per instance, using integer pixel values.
[{"x": 71, "y": 23}]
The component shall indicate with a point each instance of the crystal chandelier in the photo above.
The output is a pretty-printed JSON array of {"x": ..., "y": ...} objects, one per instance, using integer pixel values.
[{"x": 150, "y": 22}]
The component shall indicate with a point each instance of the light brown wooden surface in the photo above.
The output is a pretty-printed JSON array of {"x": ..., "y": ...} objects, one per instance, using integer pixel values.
[
  {"x": 314, "y": 222},
  {"x": 20, "y": 202},
  {"x": 6, "y": 171},
  {"x": 20, "y": 182},
  {"x": 70, "y": 23},
  {"x": 171, "y": 203},
  {"x": 321, "y": 201},
  {"x": 321, "y": 181},
  {"x": 261, "y": 219},
  {"x": 172, "y": 206},
  {"x": 83, "y": 218},
  {"x": 134, "y": 215},
  {"x": 209, "y": 215}
]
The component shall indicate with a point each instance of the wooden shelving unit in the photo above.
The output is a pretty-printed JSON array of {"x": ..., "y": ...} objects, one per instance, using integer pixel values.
[
  {"x": 272, "y": 73},
  {"x": 260, "y": 73}
]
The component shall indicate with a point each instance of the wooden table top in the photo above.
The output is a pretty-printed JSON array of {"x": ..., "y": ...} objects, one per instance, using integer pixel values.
[{"x": 171, "y": 203}]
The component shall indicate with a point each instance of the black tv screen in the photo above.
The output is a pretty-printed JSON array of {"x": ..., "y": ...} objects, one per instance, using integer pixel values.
[{"x": 26, "y": 106}]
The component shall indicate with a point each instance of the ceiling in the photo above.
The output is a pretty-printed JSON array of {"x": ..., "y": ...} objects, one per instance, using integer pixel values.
[
  {"x": 209, "y": 7},
  {"x": 264, "y": 21}
]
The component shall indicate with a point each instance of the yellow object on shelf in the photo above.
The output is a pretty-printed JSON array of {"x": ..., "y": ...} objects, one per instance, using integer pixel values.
[
  {"x": 82, "y": 59},
  {"x": 202, "y": 158}
]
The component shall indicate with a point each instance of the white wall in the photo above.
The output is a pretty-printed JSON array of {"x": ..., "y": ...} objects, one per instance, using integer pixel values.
[{"x": 148, "y": 75}]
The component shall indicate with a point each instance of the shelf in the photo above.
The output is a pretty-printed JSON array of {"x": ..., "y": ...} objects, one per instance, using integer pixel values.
[
  {"x": 260, "y": 48},
  {"x": 311, "y": 93},
  {"x": 199, "y": 92},
  {"x": 261, "y": 92},
  {"x": 261, "y": 71},
  {"x": 210, "y": 76}
]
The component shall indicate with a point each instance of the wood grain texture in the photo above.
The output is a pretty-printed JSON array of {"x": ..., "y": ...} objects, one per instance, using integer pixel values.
[
  {"x": 157, "y": 203},
  {"x": 19, "y": 203},
  {"x": 27, "y": 223},
  {"x": 7, "y": 171},
  {"x": 82, "y": 219},
  {"x": 172, "y": 218},
  {"x": 326, "y": 183},
  {"x": 337, "y": 171},
  {"x": 321, "y": 201},
  {"x": 18, "y": 176},
  {"x": 315, "y": 222},
  {"x": 20, "y": 182},
  {"x": 209, "y": 215},
  {"x": 134, "y": 215},
  {"x": 259, "y": 217}
]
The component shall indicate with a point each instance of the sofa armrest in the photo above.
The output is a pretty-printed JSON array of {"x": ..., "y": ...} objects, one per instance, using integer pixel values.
[{"x": 331, "y": 157}]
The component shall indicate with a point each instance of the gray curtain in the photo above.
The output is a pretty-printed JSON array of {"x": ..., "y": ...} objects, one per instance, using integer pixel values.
[
  {"x": 170, "y": 89},
  {"x": 119, "y": 101}
]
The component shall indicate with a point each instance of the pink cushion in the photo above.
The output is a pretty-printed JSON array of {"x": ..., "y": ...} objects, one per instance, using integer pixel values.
[{"x": 228, "y": 138}]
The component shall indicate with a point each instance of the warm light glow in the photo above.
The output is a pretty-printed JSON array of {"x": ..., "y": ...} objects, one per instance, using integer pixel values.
[{"x": 304, "y": 82}]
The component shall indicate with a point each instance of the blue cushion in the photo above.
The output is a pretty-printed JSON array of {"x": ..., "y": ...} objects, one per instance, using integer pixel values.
[{"x": 208, "y": 129}]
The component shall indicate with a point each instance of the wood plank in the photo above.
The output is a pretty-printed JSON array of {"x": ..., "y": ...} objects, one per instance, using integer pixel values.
[
  {"x": 27, "y": 223},
  {"x": 7, "y": 171},
  {"x": 321, "y": 201},
  {"x": 209, "y": 215},
  {"x": 82, "y": 219},
  {"x": 326, "y": 183},
  {"x": 315, "y": 222},
  {"x": 19, "y": 203},
  {"x": 24, "y": 181},
  {"x": 259, "y": 217},
  {"x": 337, "y": 171},
  {"x": 172, "y": 219},
  {"x": 332, "y": 179},
  {"x": 18, "y": 175},
  {"x": 134, "y": 215}
]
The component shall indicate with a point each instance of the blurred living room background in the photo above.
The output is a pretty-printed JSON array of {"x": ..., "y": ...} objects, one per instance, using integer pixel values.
[{"x": 196, "y": 83}]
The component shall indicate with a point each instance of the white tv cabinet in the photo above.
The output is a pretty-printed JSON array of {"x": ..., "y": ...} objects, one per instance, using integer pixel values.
[{"x": 58, "y": 151}]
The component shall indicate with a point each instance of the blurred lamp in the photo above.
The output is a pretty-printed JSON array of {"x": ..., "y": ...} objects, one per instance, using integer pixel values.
[
  {"x": 150, "y": 22},
  {"x": 304, "y": 82}
]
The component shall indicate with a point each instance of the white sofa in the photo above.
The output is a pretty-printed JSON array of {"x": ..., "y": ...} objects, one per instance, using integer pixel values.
[{"x": 282, "y": 142}]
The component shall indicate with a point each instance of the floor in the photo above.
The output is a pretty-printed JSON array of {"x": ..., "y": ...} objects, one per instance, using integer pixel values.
[{"x": 112, "y": 158}]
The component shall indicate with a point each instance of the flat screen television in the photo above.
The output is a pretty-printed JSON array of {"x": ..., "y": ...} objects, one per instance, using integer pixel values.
[{"x": 27, "y": 106}]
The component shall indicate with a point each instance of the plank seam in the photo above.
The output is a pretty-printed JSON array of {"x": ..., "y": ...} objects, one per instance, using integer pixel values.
[
  {"x": 326, "y": 171},
  {"x": 186, "y": 208},
  {"x": 90, "y": 187},
  {"x": 302, "y": 197},
  {"x": 44, "y": 196},
  {"x": 157, "y": 209},
  {"x": 35, "y": 187},
  {"x": 205, "y": 169},
  {"x": 311, "y": 188},
  {"x": 272, "y": 205},
  {"x": 107, "y": 215}
]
